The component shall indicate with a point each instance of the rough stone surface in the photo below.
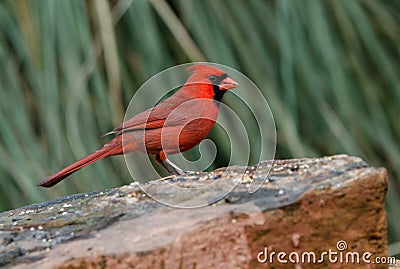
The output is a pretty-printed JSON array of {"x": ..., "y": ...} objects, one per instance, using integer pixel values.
[{"x": 305, "y": 205}]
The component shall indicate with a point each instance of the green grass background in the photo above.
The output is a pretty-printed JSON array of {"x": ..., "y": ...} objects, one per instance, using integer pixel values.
[{"x": 68, "y": 68}]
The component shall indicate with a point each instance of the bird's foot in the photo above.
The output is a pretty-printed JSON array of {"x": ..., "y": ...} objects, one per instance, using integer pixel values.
[{"x": 176, "y": 169}]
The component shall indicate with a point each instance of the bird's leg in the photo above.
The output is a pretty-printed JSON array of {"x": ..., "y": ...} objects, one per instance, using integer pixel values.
[
  {"x": 172, "y": 168},
  {"x": 169, "y": 169},
  {"x": 160, "y": 161},
  {"x": 178, "y": 170}
]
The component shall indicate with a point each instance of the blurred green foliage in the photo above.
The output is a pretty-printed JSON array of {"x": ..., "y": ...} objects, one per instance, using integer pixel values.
[{"x": 329, "y": 69}]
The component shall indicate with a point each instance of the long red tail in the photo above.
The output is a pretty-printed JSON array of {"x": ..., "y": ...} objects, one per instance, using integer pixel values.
[{"x": 105, "y": 151}]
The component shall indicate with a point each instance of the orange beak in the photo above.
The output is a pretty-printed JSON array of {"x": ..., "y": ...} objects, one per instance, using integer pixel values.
[{"x": 228, "y": 83}]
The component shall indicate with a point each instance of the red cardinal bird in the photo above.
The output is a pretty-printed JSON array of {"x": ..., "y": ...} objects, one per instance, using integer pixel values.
[{"x": 178, "y": 123}]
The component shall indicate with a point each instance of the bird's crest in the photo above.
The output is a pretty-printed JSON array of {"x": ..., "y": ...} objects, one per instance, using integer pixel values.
[{"x": 204, "y": 69}]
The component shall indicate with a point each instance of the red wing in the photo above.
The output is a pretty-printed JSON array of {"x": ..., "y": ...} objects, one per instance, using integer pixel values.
[
  {"x": 144, "y": 120},
  {"x": 152, "y": 118}
]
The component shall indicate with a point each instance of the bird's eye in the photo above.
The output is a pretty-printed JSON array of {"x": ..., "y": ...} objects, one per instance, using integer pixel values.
[{"x": 213, "y": 79}]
